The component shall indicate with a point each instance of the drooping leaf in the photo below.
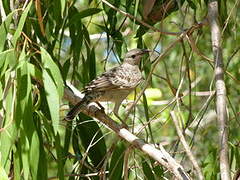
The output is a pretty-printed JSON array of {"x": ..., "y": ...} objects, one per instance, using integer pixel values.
[
  {"x": 85, "y": 13},
  {"x": 53, "y": 71},
  {"x": 52, "y": 99},
  {"x": 4, "y": 29},
  {"x": 147, "y": 170},
  {"x": 21, "y": 24},
  {"x": 89, "y": 133},
  {"x": 116, "y": 164},
  {"x": 34, "y": 155}
]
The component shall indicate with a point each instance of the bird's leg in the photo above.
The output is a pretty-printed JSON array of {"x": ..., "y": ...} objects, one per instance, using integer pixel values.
[
  {"x": 115, "y": 111},
  {"x": 101, "y": 107}
]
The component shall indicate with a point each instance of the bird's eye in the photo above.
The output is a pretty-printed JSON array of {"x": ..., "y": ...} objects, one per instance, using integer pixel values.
[{"x": 133, "y": 56}]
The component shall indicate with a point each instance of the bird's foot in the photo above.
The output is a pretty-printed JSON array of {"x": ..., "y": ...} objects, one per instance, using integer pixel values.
[
  {"x": 123, "y": 125},
  {"x": 101, "y": 107}
]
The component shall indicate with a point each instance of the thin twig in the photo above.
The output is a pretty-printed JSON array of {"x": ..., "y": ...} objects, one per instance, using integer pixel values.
[
  {"x": 220, "y": 89},
  {"x": 186, "y": 146}
]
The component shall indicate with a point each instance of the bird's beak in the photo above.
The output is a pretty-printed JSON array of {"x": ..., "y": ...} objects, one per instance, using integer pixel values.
[{"x": 145, "y": 51}]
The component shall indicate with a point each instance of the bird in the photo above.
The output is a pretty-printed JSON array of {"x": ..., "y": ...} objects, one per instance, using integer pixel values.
[{"x": 113, "y": 85}]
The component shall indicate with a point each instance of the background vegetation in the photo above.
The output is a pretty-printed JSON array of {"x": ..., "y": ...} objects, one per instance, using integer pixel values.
[{"x": 45, "y": 45}]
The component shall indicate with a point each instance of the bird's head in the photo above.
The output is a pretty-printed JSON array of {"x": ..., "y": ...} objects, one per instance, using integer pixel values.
[{"x": 133, "y": 56}]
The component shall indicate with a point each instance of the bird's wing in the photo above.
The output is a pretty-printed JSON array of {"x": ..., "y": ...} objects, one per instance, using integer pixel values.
[{"x": 114, "y": 79}]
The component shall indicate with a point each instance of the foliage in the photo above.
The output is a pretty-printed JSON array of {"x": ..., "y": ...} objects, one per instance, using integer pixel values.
[{"x": 45, "y": 44}]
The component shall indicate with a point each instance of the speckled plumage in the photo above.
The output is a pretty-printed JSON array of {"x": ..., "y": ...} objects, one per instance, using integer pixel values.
[{"x": 113, "y": 85}]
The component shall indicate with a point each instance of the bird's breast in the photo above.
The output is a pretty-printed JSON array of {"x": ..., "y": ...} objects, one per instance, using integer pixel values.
[{"x": 115, "y": 95}]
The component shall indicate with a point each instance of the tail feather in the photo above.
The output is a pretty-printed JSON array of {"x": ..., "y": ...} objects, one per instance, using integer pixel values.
[{"x": 78, "y": 108}]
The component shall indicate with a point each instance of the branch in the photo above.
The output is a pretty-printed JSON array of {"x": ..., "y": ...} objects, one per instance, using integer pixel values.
[
  {"x": 220, "y": 89},
  {"x": 161, "y": 156},
  {"x": 138, "y": 20},
  {"x": 186, "y": 146}
]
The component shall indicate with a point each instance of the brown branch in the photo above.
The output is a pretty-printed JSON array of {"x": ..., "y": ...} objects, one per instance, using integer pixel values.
[
  {"x": 220, "y": 89},
  {"x": 161, "y": 157},
  {"x": 39, "y": 15},
  {"x": 139, "y": 20}
]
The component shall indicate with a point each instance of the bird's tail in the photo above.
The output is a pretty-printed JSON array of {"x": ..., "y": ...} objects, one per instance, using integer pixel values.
[{"x": 78, "y": 108}]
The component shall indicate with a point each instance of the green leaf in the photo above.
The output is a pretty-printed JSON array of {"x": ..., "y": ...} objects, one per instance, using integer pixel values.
[
  {"x": 8, "y": 137},
  {"x": 34, "y": 155},
  {"x": 52, "y": 99},
  {"x": 66, "y": 67},
  {"x": 21, "y": 24},
  {"x": 90, "y": 132},
  {"x": 158, "y": 170},
  {"x": 3, "y": 174},
  {"x": 7, "y": 6},
  {"x": 153, "y": 93},
  {"x": 24, "y": 147},
  {"x": 9, "y": 131},
  {"x": 59, "y": 157},
  {"x": 43, "y": 162},
  {"x": 92, "y": 64},
  {"x": 53, "y": 70},
  {"x": 4, "y": 29},
  {"x": 34, "y": 71},
  {"x": 116, "y": 164},
  {"x": 147, "y": 170},
  {"x": 191, "y": 4},
  {"x": 67, "y": 139},
  {"x": 16, "y": 161},
  {"x": 85, "y": 13},
  {"x": 63, "y": 4},
  {"x": 24, "y": 97},
  {"x": 4, "y": 61}
]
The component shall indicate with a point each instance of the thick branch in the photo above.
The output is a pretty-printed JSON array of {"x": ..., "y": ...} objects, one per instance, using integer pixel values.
[
  {"x": 161, "y": 156},
  {"x": 220, "y": 89}
]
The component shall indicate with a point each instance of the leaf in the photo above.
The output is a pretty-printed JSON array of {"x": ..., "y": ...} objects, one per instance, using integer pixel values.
[
  {"x": 116, "y": 164},
  {"x": 147, "y": 170},
  {"x": 3, "y": 173},
  {"x": 9, "y": 134},
  {"x": 21, "y": 24},
  {"x": 7, "y": 141},
  {"x": 24, "y": 147},
  {"x": 52, "y": 99},
  {"x": 59, "y": 157},
  {"x": 7, "y": 6},
  {"x": 63, "y": 4},
  {"x": 16, "y": 161},
  {"x": 92, "y": 64},
  {"x": 158, "y": 170},
  {"x": 65, "y": 69},
  {"x": 42, "y": 171},
  {"x": 34, "y": 155},
  {"x": 153, "y": 93},
  {"x": 191, "y": 4},
  {"x": 53, "y": 85},
  {"x": 82, "y": 14},
  {"x": 53, "y": 70},
  {"x": 4, "y": 61},
  {"x": 90, "y": 132},
  {"x": 34, "y": 71},
  {"x": 67, "y": 139},
  {"x": 24, "y": 97},
  {"x": 4, "y": 29},
  {"x": 87, "y": 12}
]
